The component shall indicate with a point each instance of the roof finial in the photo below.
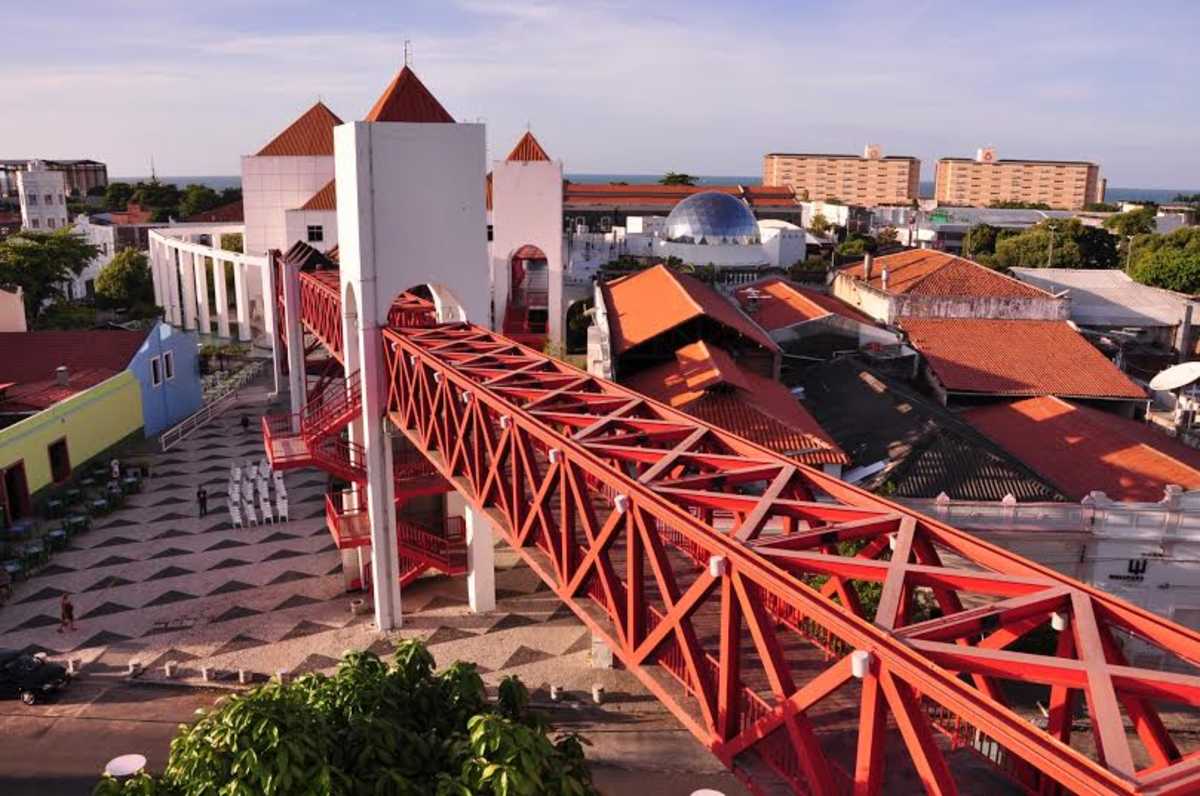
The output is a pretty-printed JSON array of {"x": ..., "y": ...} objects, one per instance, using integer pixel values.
[{"x": 408, "y": 52}]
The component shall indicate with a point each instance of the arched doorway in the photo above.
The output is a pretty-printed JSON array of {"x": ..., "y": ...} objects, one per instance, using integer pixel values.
[{"x": 528, "y": 310}]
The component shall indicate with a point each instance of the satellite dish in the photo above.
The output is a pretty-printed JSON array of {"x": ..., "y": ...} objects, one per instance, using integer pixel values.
[
  {"x": 125, "y": 766},
  {"x": 1176, "y": 376}
]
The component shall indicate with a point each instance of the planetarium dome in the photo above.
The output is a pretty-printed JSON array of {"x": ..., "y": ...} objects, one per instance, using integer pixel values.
[{"x": 712, "y": 218}]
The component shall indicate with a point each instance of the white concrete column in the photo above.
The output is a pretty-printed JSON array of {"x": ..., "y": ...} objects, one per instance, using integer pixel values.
[
  {"x": 221, "y": 297},
  {"x": 269, "y": 276},
  {"x": 267, "y": 283},
  {"x": 381, "y": 507},
  {"x": 295, "y": 337},
  {"x": 241, "y": 300},
  {"x": 204, "y": 319},
  {"x": 174, "y": 313},
  {"x": 481, "y": 553},
  {"x": 187, "y": 277},
  {"x": 156, "y": 272}
]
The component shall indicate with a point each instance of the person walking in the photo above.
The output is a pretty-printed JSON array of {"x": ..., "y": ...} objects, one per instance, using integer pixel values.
[
  {"x": 66, "y": 614},
  {"x": 245, "y": 424},
  {"x": 202, "y": 500}
]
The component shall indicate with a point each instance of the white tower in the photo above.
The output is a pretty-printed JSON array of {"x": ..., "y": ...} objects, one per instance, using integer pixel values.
[
  {"x": 43, "y": 197},
  {"x": 527, "y": 211},
  {"x": 410, "y": 212}
]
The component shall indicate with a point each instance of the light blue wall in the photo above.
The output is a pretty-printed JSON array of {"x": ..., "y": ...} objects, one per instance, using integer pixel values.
[{"x": 174, "y": 399}]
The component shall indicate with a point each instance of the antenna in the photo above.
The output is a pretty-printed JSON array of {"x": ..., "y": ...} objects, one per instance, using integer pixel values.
[
  {"x": 153, "y": 176},
  {"x": 408, "y": 52}
]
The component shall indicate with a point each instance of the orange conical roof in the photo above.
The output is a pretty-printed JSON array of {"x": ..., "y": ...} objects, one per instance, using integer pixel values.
[
  {"x": 407, "y": 100},
  {"x": 310, "y": 135},
  {"x": 528, "y": 149}
]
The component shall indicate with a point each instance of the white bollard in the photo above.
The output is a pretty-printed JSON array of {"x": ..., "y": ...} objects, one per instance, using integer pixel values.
[
  {"x": 72, "y": 666},
  {"x": 860, "y": 663},
  {"x": 243, "y": 676},
  {"x": 598, "y": 694},
  {"x": 555, "y": 693},
  {"x": 717, "y": 566},
  {"x": 204, "y": 673}
]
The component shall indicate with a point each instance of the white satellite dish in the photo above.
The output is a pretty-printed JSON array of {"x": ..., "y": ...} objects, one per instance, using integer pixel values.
[
  {"x": 1176, "y": 376},
  {"x": 125, "y": 766}
]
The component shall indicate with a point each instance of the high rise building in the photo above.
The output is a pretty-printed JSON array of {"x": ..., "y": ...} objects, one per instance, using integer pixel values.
[
  {"x": 873, "y": 179},
  {"x": 81, "y": 175},
  {"x": 987, "y": 180}
]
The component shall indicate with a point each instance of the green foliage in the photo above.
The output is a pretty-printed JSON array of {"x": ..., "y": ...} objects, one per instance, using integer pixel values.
[
  {"x": 1012, "y": 204},
  {"x": 1134, "y": 222},
  {"x": 857, "y": 245},
  {"x": 677, "y": 178},
  {"x": 40, "y": 262},
  {"x": 197, "y": 199},
  {"x": 117, "y": 195},
  {"x": 374, "y": 727},
  {"x": 125, "y": 279},
  {"x": 1187, "y": 198},
  {"x": 981, "y": 239},
  {"x": 813, "y": 264},
  {"x": 819, "y": 225},
  {"x": 888, "y": 236},
  {"x": 65, "y": 315},
  {"x": 1169, "y": 261},
  {"x": 1058, "y": 243},
  {"x": 1101, "y": 207},
  {"x": 232, "y": 241}
]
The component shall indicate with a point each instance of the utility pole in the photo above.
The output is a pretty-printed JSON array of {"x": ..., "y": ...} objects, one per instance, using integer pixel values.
[
  {"x": 1050, "y": 254},
  {"x": 1129, "y": 253}
]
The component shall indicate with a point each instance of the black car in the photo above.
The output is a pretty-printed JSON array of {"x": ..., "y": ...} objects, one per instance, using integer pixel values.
[{"x": 29, "y": 678}]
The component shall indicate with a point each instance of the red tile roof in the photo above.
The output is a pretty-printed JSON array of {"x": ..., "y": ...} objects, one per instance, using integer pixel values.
[
  {"x": 642, "y": 306},
  {"x": 1003, "y": 357},
  {"x": 324, "y": 199},
  {"x": 705, "y": 381},
  {"x": 1081, "y": 449},
  {"x": 527, "y": 149},
  {"x": 781, "y": 304},
  {"x": 228, "y": 213},
  {"x": 309, "y": 136},
  {"x": 29, "y": 360},
  {"x": 609, "y": 195},
  {"x": 407, "y": 100},
  {"x": 928, "y": 272}
]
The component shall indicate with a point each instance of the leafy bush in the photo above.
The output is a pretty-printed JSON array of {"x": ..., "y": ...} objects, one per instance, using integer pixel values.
[{"x": 371, "y": 728}]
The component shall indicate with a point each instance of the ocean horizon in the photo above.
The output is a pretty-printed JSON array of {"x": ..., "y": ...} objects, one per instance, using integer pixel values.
[{"x": 1115, "y": 194}]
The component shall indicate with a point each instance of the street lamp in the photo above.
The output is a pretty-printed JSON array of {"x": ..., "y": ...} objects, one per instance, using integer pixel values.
[
  {"x": 1129, "y": 253},
  {"x": 1050, "y": 254}
]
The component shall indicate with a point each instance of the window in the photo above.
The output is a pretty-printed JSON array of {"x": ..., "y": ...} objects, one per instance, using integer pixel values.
[
  {"x": 316, "y": 233},
  {"x": 49, "y": 198},
  {"x": 32, "y": 199},
  {"x": 155, "y": 372},
  {"x": 60, "y": 460},
  {"x": 169, "y": 364},
  {"x": 35, "y": 223},
  {"x": 60, "y": 199},
  {"x": 50, "y": 223}
]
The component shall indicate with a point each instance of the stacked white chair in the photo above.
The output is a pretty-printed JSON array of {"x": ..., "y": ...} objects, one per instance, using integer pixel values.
[
  {"x": 248, "y": 507},
  {"x": 281, "y": 507},
  {"x": 235, "y": 514},
  {"x": 264, "y": 503}
]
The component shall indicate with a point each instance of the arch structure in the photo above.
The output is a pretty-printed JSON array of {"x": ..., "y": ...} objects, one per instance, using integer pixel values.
[{"x": 729, "y": 580}]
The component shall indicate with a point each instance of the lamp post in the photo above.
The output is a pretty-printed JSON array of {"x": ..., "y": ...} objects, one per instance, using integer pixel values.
[
  {"x": 1050, "y": 254},
  {"x": 1129, "y": 253}
]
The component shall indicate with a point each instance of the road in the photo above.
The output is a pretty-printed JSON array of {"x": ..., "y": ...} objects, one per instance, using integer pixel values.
[{"x": 60, "y": 748}]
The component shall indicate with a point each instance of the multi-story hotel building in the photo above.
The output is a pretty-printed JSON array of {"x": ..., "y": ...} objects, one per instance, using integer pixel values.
[
  {"x": 81, "y": 175},
  {"x": 870, "y": 180},
  {"x": 986, "y": 180}
]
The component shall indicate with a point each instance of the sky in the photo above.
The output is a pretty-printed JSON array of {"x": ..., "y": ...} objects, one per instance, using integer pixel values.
[{"x": 627, "y": 86}]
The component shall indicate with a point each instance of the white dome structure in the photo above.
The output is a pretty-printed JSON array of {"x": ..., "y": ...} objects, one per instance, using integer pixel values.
[{"x": 713, "y": 228}]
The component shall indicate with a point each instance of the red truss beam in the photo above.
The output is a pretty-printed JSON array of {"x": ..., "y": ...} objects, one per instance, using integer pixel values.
[{"x": 692, "y": 552}]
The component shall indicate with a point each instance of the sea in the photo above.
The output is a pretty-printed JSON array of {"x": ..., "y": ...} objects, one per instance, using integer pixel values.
[{"x": 1159, "y": 195}]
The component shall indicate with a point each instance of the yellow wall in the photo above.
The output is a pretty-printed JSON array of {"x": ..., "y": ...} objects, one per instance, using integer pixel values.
[{"x": 91, "y": 421}]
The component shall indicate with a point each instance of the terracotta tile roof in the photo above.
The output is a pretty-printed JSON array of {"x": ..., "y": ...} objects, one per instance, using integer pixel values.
[
  {"x": 653, "y": 194},
  {"x": 527, "y": 149},
  {"x": 227, "y": 213},
  {"x": 407, "y": 100},
  {"x": 28, "y": 360},
  {"x": 705, "y": 381},
  {"x": 309, "y": 136},
  {"x": 642, "y": 306},
  {"x": 928, "y": 272},
  {"x": 1082, "y": 449},
  {"x": 1003, "y": 357},
  {"x": 324, "y": 199},
  {"x": 781, "y": 304}
]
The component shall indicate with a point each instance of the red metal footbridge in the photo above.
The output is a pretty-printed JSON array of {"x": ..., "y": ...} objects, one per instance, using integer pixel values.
[{"x": 815, "y": 637}]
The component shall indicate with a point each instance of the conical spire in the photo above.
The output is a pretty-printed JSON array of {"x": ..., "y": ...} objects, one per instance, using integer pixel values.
[
  {"x": 407, "y": 100},
  {"x": 528, "y": 149},
  {"x": 308, "y": 136}
]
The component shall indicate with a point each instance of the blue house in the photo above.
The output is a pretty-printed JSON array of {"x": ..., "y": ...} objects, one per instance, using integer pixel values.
[{"x": 167, "y": 366}]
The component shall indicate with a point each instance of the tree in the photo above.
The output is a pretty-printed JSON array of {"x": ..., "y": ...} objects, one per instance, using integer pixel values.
[
  {"x": 888, "y": 236},
  {"x": 1169, "y": 261},
  {"x": 1014, "y": 204},
  {"x": 117, "y": 195},
  {"x": 231, "y": 241},
  {"x": 41, "y": 263},
  {"x": 196, "y": 199},
  {"x": 126, "y": 280},
  {"x": 1101, "y": 207},
  {"x": 373, "y": 727},
  {"x": 856, "y": 246},
  {"x": 1057, "y": 243},
  {"x": 1187, "y": 198},
  {"x": 677, "y": 178},
  {"x": 1133, "y": 222},
  {"x": 980, "y": 239},
  {"x": 819, "y": 225}
]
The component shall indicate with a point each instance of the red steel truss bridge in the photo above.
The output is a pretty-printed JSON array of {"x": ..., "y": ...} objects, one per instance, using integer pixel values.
[{"x": 733, "y": 583}]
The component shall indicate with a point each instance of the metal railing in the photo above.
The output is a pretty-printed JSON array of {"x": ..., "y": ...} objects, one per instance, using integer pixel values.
[{"x": 178, "y": 432}]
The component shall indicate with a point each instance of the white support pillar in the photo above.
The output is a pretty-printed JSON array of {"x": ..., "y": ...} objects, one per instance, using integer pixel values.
[
  {"x": 187, "y": 275},
  {"x": 381, "y": 508},
  {"x": 241, "y": 300},
  {"x": 295, "y": 337},
  {"x": 156, "y": 272},
  {"x": 221, "y": 296},
  {"x": 174, "y": 315},
  {"x": 204, "y": 319},
  {"x": 481, "y": 553}
]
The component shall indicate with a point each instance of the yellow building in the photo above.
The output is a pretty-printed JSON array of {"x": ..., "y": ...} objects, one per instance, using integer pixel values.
[
  {"x": 870, "y": 180},
  {"x": 987, "y": 180}
]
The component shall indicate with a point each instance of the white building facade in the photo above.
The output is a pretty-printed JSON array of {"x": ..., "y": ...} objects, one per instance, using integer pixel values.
[{"x": 43, "y": 197}]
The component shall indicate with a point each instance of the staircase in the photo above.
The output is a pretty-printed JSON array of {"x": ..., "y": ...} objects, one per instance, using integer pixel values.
[{"x": 314, "y": 438}]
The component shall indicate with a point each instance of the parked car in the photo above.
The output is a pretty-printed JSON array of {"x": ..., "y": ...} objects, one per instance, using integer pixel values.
[{"x": 29, "y": 678}]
